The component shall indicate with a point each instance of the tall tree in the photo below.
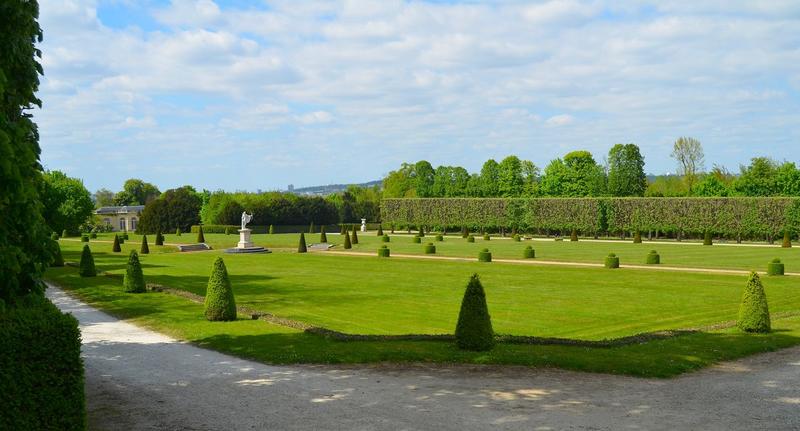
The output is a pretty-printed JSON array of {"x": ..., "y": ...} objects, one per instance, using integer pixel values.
[
  {"x": 66, "y": 202},
  {"x": 577, "y": 175},
  {"x": 25, "y": 249},
  {"x": 423, "y": 179},
  {"x": 441, "y": 181},
  {"x": 626, "y": 171},
  {"x": 490, "y": 174},
  {"x": 141, "y": 192},
  {"x": 175, "y": 208},
  {"x": 460, "y": 182},
  {"x": 789, "y": 179},
  {"x": 689, "y": 154},
  {"x": 760, "y": 178},
  {"x": 400, "y": 183},
  {"x": 530, "y": 179},
  {"x": 510, "y": 181},
  {"x": 103, "y": 198}
]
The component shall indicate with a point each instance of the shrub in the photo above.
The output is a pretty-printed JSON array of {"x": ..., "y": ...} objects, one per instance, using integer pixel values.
[
  {"x": 220, "y": 304},
  {"x": 484, "y": 255},
  {"x": 121, "y": 239},
  {"x": 787, "y": 240},
  {"x": 573, "y": 236},
  {"x": 342, "y": 229},
  {"x": 323, "y": 237},
  {"x": 178, "y": 232},
  {"x": 145, "y": 249},
  {"x": 653, "y": 258},
  {"x": 529, "y": 253},
  {"x": 58, "y": 259},
  {"x": 486, "y": 237},
  {"x": 86, "y": 267},
  {"x": 517, "y": 238},
  {"x": 354, "y": 239},
  {"x": 93, "y": 235},
  {"x": 440, "y": 237},
  {"x": 134, "y": 279},
  {"x": 159, "y": 238},
  {"x": 637, "y": 237},
  {"x": 380, "y": 230},
  {"x": 707, "y": 238},
  {"x": 228, "y": 230},
  {"x": 311, "y": 228},
  {"x": 64, "y": 233},
  {"x": 612, "y": 261},
  {"x": 775, "y": 267},
  {"x": 385, "y": 238},
  {"x": 84, "y": 238},
  {"x": 383, "y": 251},
  {"x": 200, "y": 237},
  {"x": 421, "y": 232},
  {"x": 464, "y": 232},
  {"x": 470, "y": 238},
  {"x": 416, "y": 240},
  {"x": 753, "y": 311},
  {"x": 347, "y": 244},
  {"x": 301, "y": 246},
  {"x": 430, "y": 248},
  {"x": 40, "y": 369},
  {"x": 271, "y": 229},
  {"x": 116, "y": 248},
  {"x": 474, "y": 327}
]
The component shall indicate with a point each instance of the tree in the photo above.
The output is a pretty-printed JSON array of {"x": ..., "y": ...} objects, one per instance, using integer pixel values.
[
  {"x": 103, "y": 198},
  {"x": 174, "y": 209},
  {"x": 25, "y": 247},
  {"x": 789, "y": 179},
  {"x": 141, "y": 192},
  {"x": 474, "y": 327},
  {"x": 441, "y": 181},
  {"x": 423, "y": 179},
  {"x": 509, "y": 177},
  {"x": 66, "y": 202},
  {"x": 490, "y": 174},
  {"x": 711, "y": 186},
  {"x": 124, "y": 198},
  {"x": 626, "y": 171},
  {"x": 689, "y": 154},
  {"x": 133, "y": 282},
  {"x": 220, "y": 304},
  {"x": 760, "y": 178},
  {"x": 577, "y": 175},
  {"x": 754, "y": 311},
  {"x": 530, "y": 179},
  {"x": 400, "y": 183}
]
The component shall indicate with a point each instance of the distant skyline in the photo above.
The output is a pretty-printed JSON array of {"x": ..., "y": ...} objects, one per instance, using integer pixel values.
[{"x": 259, "y": 95}]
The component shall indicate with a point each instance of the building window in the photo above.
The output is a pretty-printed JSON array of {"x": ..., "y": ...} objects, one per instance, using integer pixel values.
[
  {"x": 122, "y": 224},
  {"x": 133, "y": 223}
]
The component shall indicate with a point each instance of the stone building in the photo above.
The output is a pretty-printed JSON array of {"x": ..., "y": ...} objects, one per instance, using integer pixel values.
[{"x": 124, "y": 218}]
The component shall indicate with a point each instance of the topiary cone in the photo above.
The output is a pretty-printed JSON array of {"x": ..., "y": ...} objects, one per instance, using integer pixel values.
[
  {"x": 787, "y": 240},
  {"x": 323, "y": 238},
  {"x": 311, "y": 227},
  {"x": 86, "y": 267},
  {"x": 707, "y": 238},
  {"x": 220, "y": 304},
  {"x": 134, "y": 279},
  {"x": 474, "y": 327},
  {"x": 116, "y": 248},
  {"x": 347, "y": 244},
  {"x": 301, "y": 246},
  {"x": 58, "y": 259},
  {"x": 200, "y": 237},
  {"x": 145, "y": 249},
  {"x": 753, "y": 311},
  {"x": 354, "y": 240},
  {"x": 159, "y": 238}
]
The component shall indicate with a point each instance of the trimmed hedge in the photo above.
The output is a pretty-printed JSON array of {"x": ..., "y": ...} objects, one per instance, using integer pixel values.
[
  {"x": 116, "y": 247},
  {"x": 787, "y": 240},
  {"x": 385, "y": 238},
  {"x": 354, "y": 239},
  {"x": 133, "y": 282},
  {"x": 41, "y": 371},
  {"x": 125, "y": 236},
  {"x": 707, "y": 240},
  {"x": 653, "y": 258},
  {"x": 470, "y": 238},
  {"x": 474, "y": 328},
  {"x": 440, "y": 237},
  {"x": 84, "y": 238},
  {"x": 754, "y": 311},
  {"x": 528, "y": 253},
  {"x": 637, "y": 237},
  {"x": 93, "y": 235},
  {"x": 86, "y": 266},
  {"x": 301, "y": 246},
  {"x": 486, "y": 237},
  {"x": 612, "y": 261},
  {"x": 145, "y": 249},
  {"x": 775, "y": 267},
  {"x": 430, "y": 248},
  {"x": 484, "y": 255},
  {"x": 159, "y": 238},
  {"x": 383, "y": 251},
  {"x": 416, "y": 240},
  {"x": 219, "y": 303},
  {"x": 517, "y": 238}
]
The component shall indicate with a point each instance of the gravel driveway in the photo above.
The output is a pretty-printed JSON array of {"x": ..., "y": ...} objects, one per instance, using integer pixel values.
[{"x": 137, "y": 379}]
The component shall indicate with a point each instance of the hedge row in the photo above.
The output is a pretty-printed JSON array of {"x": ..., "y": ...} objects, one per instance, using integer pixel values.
[
  {"x": 41, "y": 372},
  {"x": 234, "y": 229},
  {"x": 740, "y": 216}
]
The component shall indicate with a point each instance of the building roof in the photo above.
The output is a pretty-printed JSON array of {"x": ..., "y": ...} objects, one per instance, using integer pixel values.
[{"x": 127, "y": 209}]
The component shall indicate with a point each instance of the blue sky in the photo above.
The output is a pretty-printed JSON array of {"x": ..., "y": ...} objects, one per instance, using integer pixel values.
[{"x": 246, "y": 95}]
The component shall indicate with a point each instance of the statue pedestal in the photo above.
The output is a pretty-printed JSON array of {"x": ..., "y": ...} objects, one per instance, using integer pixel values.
[{"x": 244, "y": 239}]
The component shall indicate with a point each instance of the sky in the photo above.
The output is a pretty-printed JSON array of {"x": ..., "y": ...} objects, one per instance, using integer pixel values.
[{"x": 248, "y": 95}]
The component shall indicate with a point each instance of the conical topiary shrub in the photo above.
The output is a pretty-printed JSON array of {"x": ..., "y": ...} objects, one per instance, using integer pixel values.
[
  {"x": 474, "y": 327},
  {"x": 707, "y": 238},
  {"x": 529, "y": 253},
  {"x": 484, "y": 255},
  {"x": 134, "y": 279},
  {"x": 311, "y": 228},
  {"x": 323, "y": 237},
  {"x": 301, "y": 246},
  {"x": 430, "y": 248},
  {"x": 775, "y": 267},
  {"x": 178, "y": 232},
  {"x": 385, "y": 238},
  {"x": 271, "y": 229},
  {"x": 612, "y": 261},
  {"x": 58, "y": 259},
  {"x": 753, "y": 311},
  {"x": 200, "y": 237},
  {"x": 470, "y": 238},
  {"x": 653, "y": 258},
  {"x": 86, "y": 267},
  {"x": 380, "y": 230},
  {"x": 159, "y": 238},
  {"x": 145, "y": 249},
  {"x": 342, "y": 229},
  {"x": 116, "y": 248},
  {"x": 347, "y": 244},
  {"x": 219, "y": 304},
  {"x": 573, "y": 236},
  {"x": 787, "y": 240},
  {"x": 383, "y": 251},
  {"x": 354, "y": 240},
  {"x": 637, "y": 237}
]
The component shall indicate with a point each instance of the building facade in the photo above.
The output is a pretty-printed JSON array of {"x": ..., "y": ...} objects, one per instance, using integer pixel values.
[{"x": 121, "y": 219}]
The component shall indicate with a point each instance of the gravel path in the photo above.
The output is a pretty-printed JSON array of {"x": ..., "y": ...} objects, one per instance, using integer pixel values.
[{"x": 137, "y": 379}]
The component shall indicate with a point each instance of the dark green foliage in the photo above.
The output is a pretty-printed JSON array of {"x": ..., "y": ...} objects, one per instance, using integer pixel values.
[
  {"x": 64, "y": 233},
  {"x": 440, "y": 237},
  {"x": 529, "y": 253},
  {"x": 84, "y": 238},
  {"x": 271, "y": 229},
  {"x": 66, "y": 204},
  {"x": 220, "y": 304},
  {"x": 421, "y": 232},
  {"x": 474, "y": 327},
  {"x": 323, "y": 237},
  {"x": 342, "y": 230},
  {"x": 121, "y": 239},
  {"x": 278, "y": 209},
  {"x": 637, "y": 237},
  {"x": 311, "y": 228},
  {"x": 470, "y": 238},
  {"x": 159, "y": 238},
  {"x": 464, "y": 232},
  {"x": 385, "y": 238},
  {"x": 93, "y": 235},
  {"x": 753, "y": 311},
  {"x": 134, "y": 278},
  {"x": 380, "y": 230},
  {"x": 40, "y": 366},
  {"x": 174, "y": 209},
  {"x": 58, "y": 259},
  {"x": 416, "y": 240},
  {"x": 301, "y": 246},
  {"x": 54, "y": 236},
  {"x": 347, "y": 244},
  {"x": 626, "y": 171},
  {"x": 517, "y": 238},
  {"x": 383, "y": 251},
  {"x": 787, "y": 240},
  {"x": 200, "y": 237},
  {"x": 145, "y": 249},
  {"x": 116, "y": 248},
  {"x": 486, "y": 237},
  {"x": 178, "y": 232},
  {"x": 125, "y": 236},
  {"x": 653, "y": 258},
  {"x": 612, "y": 261},
  {"x": 484, "y": 255},
  {"x": 573, "y": 236},
  {"x": 86, "y": 266},
  {"x": 707, "y": 238},
  {"x": 430, "y": 248},
  {"x": 775, "y": 267},
  {"x": 354, "y": 239}
]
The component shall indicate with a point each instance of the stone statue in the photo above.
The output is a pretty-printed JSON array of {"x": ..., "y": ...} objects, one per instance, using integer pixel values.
[{"x": 246, "y": 219}]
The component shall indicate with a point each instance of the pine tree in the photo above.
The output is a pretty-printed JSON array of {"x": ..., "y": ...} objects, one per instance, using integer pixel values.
[
  {"x": 145, "y": 247},
  {"x": 323, "y": 238},
  {"x": 355, "y": 235},
  {"x": 753, "y": 311},
  {"x": 347, "y": 244},
  {"x": 200, "y": 237},
  {"x": 301, "y": 247},
  {"x": 116, "y": 248},
  {"x": 474, "y": 327},
  {"x": 220, "y": 304},
  {"x": 86, "y": 267},
  {"x": 134, "y": 279}
]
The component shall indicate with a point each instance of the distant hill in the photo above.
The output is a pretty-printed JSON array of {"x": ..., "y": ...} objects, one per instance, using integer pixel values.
[{"x": 330, "y": 188}]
